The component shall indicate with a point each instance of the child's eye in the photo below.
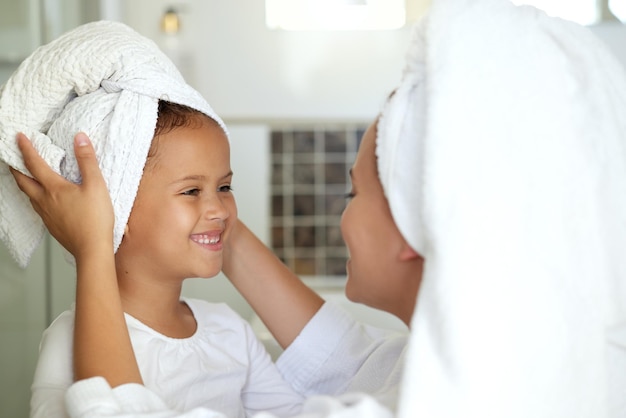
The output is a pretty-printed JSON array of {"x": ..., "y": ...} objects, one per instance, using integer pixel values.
[
  {"x": 191, "y": 192},
  {"x": 226, "y": 188},
  {"x": 349, "y": 195}
]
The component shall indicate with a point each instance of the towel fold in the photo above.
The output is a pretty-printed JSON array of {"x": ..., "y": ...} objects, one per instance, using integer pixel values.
[
  {"x": 104, "y": 79},
  {"x": 519, "y": 163}
]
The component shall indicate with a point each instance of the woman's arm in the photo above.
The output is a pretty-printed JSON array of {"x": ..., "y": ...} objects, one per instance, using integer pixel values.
[
  {"x": 279, "y": 297},
  {"x": 81, "y": 218},
  {"x": 102, "y": 344}
]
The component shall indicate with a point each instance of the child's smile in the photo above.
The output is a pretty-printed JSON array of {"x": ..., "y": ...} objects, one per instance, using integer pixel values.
[{"x": 211, "y": 240}]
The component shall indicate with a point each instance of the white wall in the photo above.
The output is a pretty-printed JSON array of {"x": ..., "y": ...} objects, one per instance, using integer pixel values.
[{"x": 248, "y": 72}]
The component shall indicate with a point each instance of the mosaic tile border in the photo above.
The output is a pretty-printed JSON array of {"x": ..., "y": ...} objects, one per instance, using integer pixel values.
[{"x": 310, "y": 179}]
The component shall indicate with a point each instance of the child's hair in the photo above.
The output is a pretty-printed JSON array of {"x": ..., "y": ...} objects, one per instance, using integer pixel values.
[{"x": 171, "y": 116}]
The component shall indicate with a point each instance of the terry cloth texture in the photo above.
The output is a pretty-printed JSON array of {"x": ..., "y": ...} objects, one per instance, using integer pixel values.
[
  {"x": 518, "y": 156},
  {"x": 104, "y": 79}
]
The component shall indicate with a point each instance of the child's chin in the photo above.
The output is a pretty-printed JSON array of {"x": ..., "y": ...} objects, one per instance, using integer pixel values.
[{"x": 209, "y": 273}]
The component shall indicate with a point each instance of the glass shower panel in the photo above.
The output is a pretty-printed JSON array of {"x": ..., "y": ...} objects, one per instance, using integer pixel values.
[
  {"x": 22, "y": 320},
  {"x": 22, "y": 291},
  {"x": 31, "y": 297},
  {"x": 20, "y": 31}
]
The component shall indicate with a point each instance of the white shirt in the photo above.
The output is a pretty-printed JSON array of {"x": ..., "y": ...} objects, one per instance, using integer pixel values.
[
  {"x": 222, "y": 366},
  {"x": 332, "y": 355}
]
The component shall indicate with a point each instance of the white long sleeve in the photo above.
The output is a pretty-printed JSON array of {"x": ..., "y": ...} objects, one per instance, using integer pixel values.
[
  {"x": 335, "y": 354},
  {"x": 94, "y": 398}
]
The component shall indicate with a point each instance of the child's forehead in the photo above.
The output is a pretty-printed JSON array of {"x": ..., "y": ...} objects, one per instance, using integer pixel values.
[
  {"x": 196, "y": 120},
  {"x": 186, "y": 144}
]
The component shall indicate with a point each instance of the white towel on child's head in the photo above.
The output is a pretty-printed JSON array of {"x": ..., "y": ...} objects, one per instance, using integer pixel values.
[
  {"x": 101, "y": 78},
  {"x": 521, "y": 168}
]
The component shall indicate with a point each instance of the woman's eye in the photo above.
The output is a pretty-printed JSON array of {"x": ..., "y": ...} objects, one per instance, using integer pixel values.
[
  {"x": 226, "y": 188},
  {"x": 349, "y": 195},
  {"x": 191, "y": 192}
]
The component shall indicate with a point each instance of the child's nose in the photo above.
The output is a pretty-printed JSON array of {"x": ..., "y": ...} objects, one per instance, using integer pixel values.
[{"x": 215, "y": 208}]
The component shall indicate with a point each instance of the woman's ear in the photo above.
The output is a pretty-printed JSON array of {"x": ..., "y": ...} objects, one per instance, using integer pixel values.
[{"x": 125, "y": 229}]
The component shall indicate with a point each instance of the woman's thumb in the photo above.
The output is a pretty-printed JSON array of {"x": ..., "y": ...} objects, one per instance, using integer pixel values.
[{"x": 86, "y": 158}]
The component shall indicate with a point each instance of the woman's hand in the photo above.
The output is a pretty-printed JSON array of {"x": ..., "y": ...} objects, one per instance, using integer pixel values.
[{"x": 79, "y": 216}]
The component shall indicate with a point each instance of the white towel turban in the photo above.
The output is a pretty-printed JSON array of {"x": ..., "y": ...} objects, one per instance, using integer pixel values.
[
  {"x": 101, "y": 78},
  {"x": 503, "y": 157},
  {"x": 399, "y": 146}
]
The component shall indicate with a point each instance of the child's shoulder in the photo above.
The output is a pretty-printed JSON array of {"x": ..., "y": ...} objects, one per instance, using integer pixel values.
[
  {"x": 60, "y": 332},
  {"x": 64, "y": 320}
]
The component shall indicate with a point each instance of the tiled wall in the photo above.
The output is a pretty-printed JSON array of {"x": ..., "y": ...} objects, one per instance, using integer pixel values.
[{"x": 310, "y": 180}]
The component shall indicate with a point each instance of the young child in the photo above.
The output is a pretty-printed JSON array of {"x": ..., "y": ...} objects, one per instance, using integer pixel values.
[
  {"x": 183, "y": 213},
  {"x": 150, "y": 127}
]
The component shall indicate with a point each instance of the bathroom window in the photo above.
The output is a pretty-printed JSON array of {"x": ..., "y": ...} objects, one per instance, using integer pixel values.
[{"x": 310, "y": 179}]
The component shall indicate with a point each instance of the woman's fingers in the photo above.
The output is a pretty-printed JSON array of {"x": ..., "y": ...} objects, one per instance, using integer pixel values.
[
  {"x": 29, "y": 186},
  {"x": 37, "y": 166},
  {"x": 43, "y": 175},
  {"x": 79, "y": 216}
]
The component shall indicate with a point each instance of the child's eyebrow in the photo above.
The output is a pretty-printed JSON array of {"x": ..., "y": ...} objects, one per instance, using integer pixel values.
[{"x": 199, "y": 177}]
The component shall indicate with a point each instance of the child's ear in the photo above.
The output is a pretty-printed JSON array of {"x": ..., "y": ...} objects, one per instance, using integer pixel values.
[
  {"x": 126, "y": 229},
  {"x": 407, "y": 253}
]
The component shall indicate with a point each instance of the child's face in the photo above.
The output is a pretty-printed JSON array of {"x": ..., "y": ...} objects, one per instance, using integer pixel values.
[
  {"x": 371, "y": 235},
  {"x": 184, "y": 207}
]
